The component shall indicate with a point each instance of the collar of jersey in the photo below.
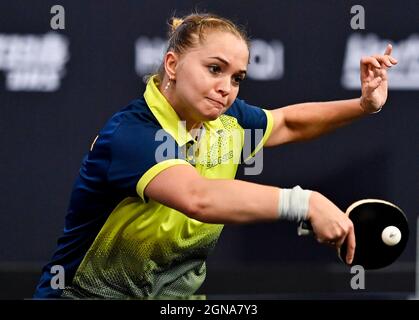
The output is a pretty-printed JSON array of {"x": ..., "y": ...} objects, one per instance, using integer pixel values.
[
  {"x": 168, "y": 118},
  {"x": 165, "y": 114}
]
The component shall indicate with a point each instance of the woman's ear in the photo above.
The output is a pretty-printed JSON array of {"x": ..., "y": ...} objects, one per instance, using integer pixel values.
[{"x": 170, "y": 63}]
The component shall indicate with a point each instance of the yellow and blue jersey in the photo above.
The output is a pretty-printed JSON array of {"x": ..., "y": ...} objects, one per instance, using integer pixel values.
[{"x": 117, "y": 243}]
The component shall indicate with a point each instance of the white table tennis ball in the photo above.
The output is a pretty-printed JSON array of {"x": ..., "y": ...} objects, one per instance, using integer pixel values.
[{"x": 391, "y": 235}]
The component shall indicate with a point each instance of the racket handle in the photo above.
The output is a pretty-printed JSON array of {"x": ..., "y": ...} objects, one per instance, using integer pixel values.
[{"x": 304, "y": 228}]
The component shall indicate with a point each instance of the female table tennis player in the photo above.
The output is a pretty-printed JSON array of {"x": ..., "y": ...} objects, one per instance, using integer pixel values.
[{"x": 158, "y": 184}]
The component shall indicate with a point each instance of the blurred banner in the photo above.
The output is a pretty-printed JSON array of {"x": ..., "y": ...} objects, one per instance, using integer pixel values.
[{"x": 65, "y": 70}]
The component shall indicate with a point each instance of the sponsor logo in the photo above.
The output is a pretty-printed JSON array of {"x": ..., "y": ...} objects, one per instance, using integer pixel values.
[
  {"x": 404, "y": 76},
  {"x": 266, "y": 58},
  {"x": 33, "y": 62}
]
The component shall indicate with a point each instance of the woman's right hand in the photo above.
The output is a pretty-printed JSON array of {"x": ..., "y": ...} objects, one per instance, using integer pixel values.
[{"x": 331, "y": 225}]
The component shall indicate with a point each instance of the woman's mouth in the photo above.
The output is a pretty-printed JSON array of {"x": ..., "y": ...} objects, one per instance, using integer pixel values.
[{"x": 216, "y": 103}]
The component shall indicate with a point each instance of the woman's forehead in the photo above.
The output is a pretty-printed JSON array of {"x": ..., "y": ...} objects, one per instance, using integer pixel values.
[{"x": 224, "y": 45}]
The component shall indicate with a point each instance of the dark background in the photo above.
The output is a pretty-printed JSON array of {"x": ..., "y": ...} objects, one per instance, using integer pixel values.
[{"x": 44, "y": 135}]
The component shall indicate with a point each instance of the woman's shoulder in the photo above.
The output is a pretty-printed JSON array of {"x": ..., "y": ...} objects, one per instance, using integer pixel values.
[{"x": 135, "y": 112}]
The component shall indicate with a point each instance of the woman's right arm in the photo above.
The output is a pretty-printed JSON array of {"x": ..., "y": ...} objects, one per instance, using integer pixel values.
[{"x": 234, "y": 201}]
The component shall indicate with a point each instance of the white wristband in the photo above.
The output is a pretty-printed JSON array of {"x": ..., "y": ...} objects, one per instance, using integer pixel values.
[{"x": 293, "y": 204}]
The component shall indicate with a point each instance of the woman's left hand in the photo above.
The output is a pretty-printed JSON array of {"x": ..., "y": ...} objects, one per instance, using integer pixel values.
[{"x": 374, "y": 80}]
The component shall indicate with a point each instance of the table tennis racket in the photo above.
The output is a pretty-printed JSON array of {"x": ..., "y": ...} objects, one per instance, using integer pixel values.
[{"x": 381, "y": 232}]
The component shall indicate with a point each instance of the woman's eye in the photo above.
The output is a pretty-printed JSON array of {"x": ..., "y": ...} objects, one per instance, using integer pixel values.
[
  {"x": 238, "y": 79},
  {"x": 214, "y": 69}
]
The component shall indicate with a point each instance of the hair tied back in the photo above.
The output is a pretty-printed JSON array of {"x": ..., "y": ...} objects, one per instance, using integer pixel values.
[{"x": 175, "y": 23}]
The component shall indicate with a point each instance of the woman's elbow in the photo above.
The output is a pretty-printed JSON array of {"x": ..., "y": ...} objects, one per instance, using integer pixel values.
[{"x": 197, "y": 204}]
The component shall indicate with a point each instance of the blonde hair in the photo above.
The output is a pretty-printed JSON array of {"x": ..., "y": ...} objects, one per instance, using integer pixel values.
[{"x": 187, "y": 32}]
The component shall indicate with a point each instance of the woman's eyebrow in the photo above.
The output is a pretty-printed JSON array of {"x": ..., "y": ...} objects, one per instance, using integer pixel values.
[
  {"x": 221, "y": 59},
  {"x": 226, "y": 63}
]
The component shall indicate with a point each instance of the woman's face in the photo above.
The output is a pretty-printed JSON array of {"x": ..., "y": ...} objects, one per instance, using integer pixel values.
[{"x": 208, "y": 76}]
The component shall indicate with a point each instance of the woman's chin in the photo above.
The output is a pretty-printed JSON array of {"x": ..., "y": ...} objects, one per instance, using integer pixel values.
[{"x": 212, "y": 115}]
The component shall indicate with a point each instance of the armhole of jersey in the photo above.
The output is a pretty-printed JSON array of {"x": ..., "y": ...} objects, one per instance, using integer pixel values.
[
  {"x": 153, "y": 171},
  {"x": 268, "y": 131}
]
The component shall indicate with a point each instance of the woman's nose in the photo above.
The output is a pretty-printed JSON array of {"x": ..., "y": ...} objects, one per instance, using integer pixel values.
[{"x": 224, "y": 86}]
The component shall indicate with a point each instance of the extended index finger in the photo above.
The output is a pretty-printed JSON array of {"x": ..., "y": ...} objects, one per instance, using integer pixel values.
[
  {"x": 389, "y": 49},
  {"x": 351, "y": 244}
]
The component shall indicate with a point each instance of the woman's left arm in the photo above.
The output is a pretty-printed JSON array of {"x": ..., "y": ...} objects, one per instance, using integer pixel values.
[{"x": 306, "y": 121}]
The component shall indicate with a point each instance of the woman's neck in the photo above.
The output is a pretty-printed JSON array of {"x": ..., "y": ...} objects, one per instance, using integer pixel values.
[{"x": 184, "y": 115}]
